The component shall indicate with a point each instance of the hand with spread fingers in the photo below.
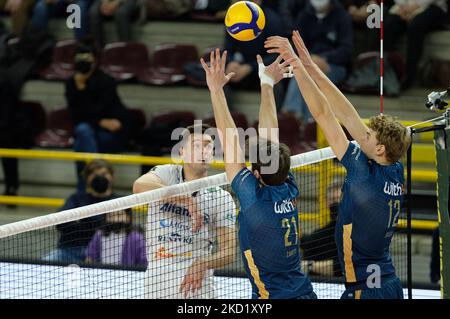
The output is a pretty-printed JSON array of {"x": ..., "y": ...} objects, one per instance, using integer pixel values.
[
  {"x": 275, "y": 72},
  {"x": 283, "y": 47},
  {"x": 215, "y": 73},
  {"x": 303, "y": 52},
  {"x": 193, "y": 279}
]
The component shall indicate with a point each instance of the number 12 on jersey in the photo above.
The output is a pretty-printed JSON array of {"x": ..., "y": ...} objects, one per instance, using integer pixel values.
[{"x": 394, "y": 211}]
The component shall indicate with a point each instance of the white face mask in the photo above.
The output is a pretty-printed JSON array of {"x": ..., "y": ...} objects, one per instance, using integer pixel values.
[{"x": 320, "y": 5}]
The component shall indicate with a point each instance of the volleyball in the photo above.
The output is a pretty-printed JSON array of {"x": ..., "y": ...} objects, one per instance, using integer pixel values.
[{"x": 245, "y": 20}]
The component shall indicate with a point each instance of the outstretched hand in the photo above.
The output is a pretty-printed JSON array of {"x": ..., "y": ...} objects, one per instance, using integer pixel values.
[
  {"x": 302, "y": 51},
  {"x": 215, "y": 73},
  {"x": 282, "y": 46},
  {"x": 275, "y": 72}
]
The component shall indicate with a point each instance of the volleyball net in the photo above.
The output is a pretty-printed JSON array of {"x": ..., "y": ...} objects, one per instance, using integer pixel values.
[{"x": 147, "y": 245}]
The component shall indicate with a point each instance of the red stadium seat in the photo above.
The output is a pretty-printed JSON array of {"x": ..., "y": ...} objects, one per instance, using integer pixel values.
[
  {"x": 124, "y": 60},
  {"x": 168, "y": 64},
  {"x": 61, "y": 67},
  {"x": 59, "y": 132}
]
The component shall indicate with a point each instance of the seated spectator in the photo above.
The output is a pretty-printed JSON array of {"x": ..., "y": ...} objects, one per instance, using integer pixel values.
[
  {"x": 75, "y": 236},
  {"x": 100, "y": 118},
  {"x": 124, "y": 13},
  {"x": 319, "y": 250},
  {"x": 20, "y": 11},
  {"x": 242, "y": 55},
  {"x": 417, "y": 18},
  {"x": 327, "y": 31},
  {"x": 118, "y": 242},
  {"x": 289, "y": 11},
  {"x": 46, "y": 9}
]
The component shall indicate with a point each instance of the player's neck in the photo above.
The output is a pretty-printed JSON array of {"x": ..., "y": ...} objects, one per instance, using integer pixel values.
[{"x": 190, "y": 174}]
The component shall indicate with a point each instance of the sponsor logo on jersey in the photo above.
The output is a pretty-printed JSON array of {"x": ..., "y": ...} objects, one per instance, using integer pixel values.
[
  {"x": 162, "y": 253},
  {"x": 164, "y": 223},
  {"x": 175, "y": 238},
  {"x": 284, "y": 207},
  {"x": 175, "y": 209},
  {"x": 393, "y": 189}
]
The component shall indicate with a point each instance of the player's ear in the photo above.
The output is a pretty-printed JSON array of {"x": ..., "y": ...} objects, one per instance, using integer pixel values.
[
  {"x": 381, "y": 149},
  {"x": 256, "y": 173}
]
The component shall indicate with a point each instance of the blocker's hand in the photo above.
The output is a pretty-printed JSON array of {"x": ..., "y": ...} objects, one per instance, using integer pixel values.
[
  {"x": 281, "y": 45},
  {"x": 193, "y": 279},
  {"x": 215, "y": 73},
  {"x": 275, "y": 72}
]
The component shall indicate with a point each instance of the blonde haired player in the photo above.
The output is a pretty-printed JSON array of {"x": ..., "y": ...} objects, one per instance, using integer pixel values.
[
  {"x": 373, "y": 188},
  {"x": 182, "y": 230}
]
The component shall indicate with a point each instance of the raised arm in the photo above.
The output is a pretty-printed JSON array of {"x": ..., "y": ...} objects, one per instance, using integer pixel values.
[
  {"x": 315, "y": 99},
  {"x": 228, "y": 133},
  {"x": 269, "y": 76},
  {"x": 340, "y": 105}
]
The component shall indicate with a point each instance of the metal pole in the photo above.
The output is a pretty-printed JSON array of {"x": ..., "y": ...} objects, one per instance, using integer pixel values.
[{"x": 409, "y": 217}]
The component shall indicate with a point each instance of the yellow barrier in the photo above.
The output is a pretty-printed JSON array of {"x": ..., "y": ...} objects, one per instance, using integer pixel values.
[{"x": 75, "y": 156}]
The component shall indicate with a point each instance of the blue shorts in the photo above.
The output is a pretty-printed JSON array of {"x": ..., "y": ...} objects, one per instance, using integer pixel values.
[{"x": 391, "y": 288}]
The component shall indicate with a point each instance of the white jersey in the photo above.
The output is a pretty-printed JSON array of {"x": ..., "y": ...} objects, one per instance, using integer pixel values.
[{"x": 171, "y": 242}]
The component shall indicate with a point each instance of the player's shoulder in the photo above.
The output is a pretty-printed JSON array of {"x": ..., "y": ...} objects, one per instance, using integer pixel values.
[
  {"x": 169, "y": 173},
  {"x": 218, "y": 191}
]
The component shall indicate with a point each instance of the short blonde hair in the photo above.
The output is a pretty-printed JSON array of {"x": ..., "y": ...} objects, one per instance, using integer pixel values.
[{"x": 392, "y": 134}]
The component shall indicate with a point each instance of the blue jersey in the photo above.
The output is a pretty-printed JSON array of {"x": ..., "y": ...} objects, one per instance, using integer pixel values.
[
  {"x": 368, "y": 214},
  {"x": 268, "y": 237}
]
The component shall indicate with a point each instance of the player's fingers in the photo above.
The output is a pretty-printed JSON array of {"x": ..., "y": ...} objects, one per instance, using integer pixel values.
[
  {"x": 204, "y": 65},
  {"x": 230, "y": 75},
  {"x": 211, "y": 60},
  {"x": 218, "y": 64},
  {"x": 279, "y": 51},
  {"x": 278, "y": 59},
  {"x": 224, "y": 60},
  {"x": 259, "y": 59}
]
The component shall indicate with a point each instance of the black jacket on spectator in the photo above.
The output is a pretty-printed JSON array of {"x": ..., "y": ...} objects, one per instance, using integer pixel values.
[
  {"x": 321, "y": 245},
  {"x": 99, "y": 100},
  {"x": 79, "y": 233},
  {"x": 330, "y": 37}
]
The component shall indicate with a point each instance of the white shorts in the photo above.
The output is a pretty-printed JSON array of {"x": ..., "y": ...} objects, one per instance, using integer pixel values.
[{"x": 163, "y": 279}]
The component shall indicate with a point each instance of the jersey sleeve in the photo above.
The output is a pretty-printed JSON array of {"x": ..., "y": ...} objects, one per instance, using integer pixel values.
[
  {"x": 355, "y": 161},
  {"x": 245, "y": 185},
  {"x": 226, "y": 211},
  {"x": 165, "y": 173}
]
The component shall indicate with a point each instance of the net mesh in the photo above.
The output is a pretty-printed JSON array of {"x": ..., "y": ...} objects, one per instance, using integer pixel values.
[{"x": 143, "y": 246}]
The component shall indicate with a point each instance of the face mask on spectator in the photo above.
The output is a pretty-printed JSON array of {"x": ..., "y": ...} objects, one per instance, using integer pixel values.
[
  {"x": 83, "y": 66},
  {"x": 100, "y": 184},
  {"x": 320, "y": 5}
]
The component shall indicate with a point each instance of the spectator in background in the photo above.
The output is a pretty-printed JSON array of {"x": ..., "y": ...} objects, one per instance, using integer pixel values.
[
  {"x": 327, "y": 31},
  {"x": 319, "y": 248},
  {"x": 20, "y": 12},
  {"x": 46, "y": 9},
  {"x": 75, "y": 236},
  {"x": 118, "y": 242},
  {"x": 289, "y": 11},
  {"x": 417, "y": 18},
  {"x": 124, "y": 13},
  {"x": 242, "y": 55},
  {"x": 100, "y": 118}
]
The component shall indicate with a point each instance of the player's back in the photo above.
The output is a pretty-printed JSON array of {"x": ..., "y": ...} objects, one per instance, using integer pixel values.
[
  {"x": 368, "y": 215},
  {"x": 268, "y": 237}
]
